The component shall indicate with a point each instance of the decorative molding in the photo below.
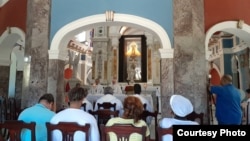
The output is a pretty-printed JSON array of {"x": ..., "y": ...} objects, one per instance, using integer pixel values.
[
  {"x": 238, "y": 48},
  {"x": 13, "y": 30},
  {"x": 78, "y": 47},
  {"x": 240, "y": 24},
  {"x": 4, "y": 62},
  {"x": 230, "y": 27},
  {"x": 57, "y": 54},
  {"x": 63, "y": 35},
  {"x": 166, "y": 53},
  {"x": 110, "y": 16}
]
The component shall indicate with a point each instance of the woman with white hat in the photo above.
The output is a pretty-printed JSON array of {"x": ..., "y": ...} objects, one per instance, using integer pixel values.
[{"x": 180, "y": 107}]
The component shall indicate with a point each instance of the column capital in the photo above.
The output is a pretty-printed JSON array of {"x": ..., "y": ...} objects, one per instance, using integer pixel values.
[{"x": 166, "y": 53}]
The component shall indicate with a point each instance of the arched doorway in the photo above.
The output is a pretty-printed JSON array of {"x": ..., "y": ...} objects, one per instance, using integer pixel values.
[
  {"x": 58, "y": 48},
  {"x": 12, "y": 58}
]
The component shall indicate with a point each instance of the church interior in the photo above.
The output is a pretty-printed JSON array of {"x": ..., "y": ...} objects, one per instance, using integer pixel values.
[{"x": 168, "y": 47}]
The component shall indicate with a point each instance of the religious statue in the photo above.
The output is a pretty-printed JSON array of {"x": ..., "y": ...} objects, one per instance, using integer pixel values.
[
  {"x": 131, "y": 73},
  {"x": 73, "y": 61}
]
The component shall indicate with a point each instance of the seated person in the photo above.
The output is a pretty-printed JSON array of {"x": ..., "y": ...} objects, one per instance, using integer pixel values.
[
  {"x": 180, "y": 107},
  {"x": 97, "y": 88},
  {"x": 137, "y": 91},
  {"x": 108, "y": 97},
  {"x": 75, "y": 114},
  {"x": 116, "y": 87},
  {"x": 133, "y": 108},
  {"x": 39, "y": 113}
]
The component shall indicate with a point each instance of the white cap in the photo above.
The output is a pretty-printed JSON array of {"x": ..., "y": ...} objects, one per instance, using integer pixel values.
[{"x": 180, "y": 105}]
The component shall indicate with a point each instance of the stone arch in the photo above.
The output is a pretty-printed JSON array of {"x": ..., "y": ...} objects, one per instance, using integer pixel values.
[
  {"x": 58, "y": 48},
  {"x": 12, "y": 43},
  {"x": 233, "y": 27}
]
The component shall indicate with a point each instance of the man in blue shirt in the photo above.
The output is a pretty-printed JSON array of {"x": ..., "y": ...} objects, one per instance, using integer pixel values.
[
  {"x": 40, "y": 113},
  {"x": 228, "y": 102}
]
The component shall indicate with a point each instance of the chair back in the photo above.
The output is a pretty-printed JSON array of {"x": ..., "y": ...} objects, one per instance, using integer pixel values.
[
  {"x": 122, "y": 131},
  {"x": 83, "y": 106},
  {"x": 2, "y": 109},
  {"x": 163, "y": 131},
  {"x": 103, "y": 115},
  {"x": 247, "y": 113},
  {"x": 145, "y": 114},
  {"x": 10, "y": 112},
  {"x": 106, "y": 105},
  {"x": 195, "y": 116},
  {"x": 67, "y": 129},
  {"x": 13, "y": 129},
  {"x": 145, "y": 106}
]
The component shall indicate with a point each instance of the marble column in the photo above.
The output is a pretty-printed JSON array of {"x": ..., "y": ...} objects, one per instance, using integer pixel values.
[
  {"x": 56, "y": 82},
  {"x": 189, "y": 52},
  {"x": 113, "y": 71},
  {"x": 149, "y": 57},
  {"x": 167, "y": 82},
  {"x": 37, "y": 44}
]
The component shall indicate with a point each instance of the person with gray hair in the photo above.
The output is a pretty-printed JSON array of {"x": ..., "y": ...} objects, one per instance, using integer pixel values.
[
  {"x": 108, "y": 97},
  {"x": 75, "y": 114},
  {"x": 228, "y": 102}
]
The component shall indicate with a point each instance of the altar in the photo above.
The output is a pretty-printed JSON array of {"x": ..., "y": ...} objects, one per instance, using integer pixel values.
[{"x": 93, "y": 97}]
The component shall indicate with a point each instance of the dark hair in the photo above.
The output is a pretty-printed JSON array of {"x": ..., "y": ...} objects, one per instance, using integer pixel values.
[
  {"x": 137, "y": 88},
  {"x": 48, "y": 97},
  {"x": 133, "y": 108},
  {"x": 77, "y": 94},
  {"x": 248, "y": 91},
  {"x": 78, "y": 84},
  {"x": 108, "y": 90}
]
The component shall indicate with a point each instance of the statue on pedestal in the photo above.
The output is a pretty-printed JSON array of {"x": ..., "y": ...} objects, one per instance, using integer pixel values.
[{"x": 131, "y": 73}]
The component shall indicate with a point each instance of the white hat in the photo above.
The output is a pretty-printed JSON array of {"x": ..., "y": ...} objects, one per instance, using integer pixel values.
[{"x": 180, "y": 105}]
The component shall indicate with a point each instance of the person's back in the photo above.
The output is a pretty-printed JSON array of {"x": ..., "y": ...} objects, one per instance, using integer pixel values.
[
  {"x": 132, "y": 110},
  {"x": 228, "y": 102},
  {"x": 40, "y": 114},
  {"x": 180, "y": 107},
  {"x": 116, "y": 87},
  {"x": 108, "y": 97},
  {"x": 75, "y": 114},
  {"x": 97, "y": 88},
  {"x": 79, "y": 116},
  {"x": 137, "y": 93}
]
